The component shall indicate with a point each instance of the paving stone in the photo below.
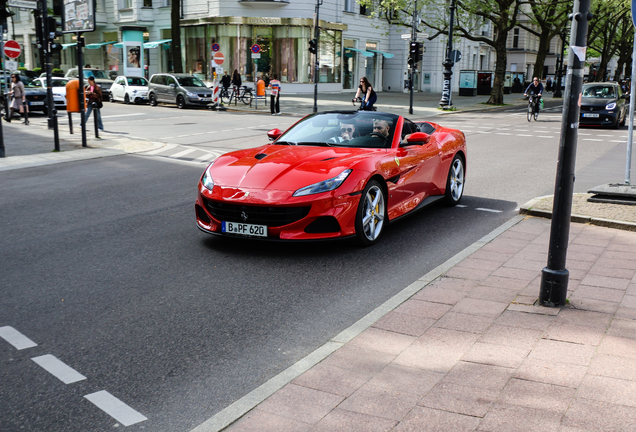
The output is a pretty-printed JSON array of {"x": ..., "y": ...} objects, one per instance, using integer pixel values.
[
  {"x": 359, "y": 359},
  {"x": 422, "y": 419},
  {"x": 613, "y": 367},
  {"x": 403, "y": 378},
  {"x": 261, "y": 421},
  {"x": 605, "y": 282},
  {"x": 533, "y": 255},
  {"x": 560, "y": 374},
  {"x": 574, "y": 333},
  {"x": 611, "y": 390},
  {"x": 600, "y": 416},
  {"x": 626, "y": 313},
  {"x": 478, "y": 375},
  {"x": 511, "y": 336},
  {"x": 616, "y": 263},
  {"x": 464, "y": 322},
  {"x": 447, "y": 283},
  {"x": 405, "y": 324},
  {"x": 598, "y": 293},
  {"x": 423, "y": 309},
  {"x": 479, "y": 264},
  {"x": 622, "y": 328},
  {"x": 506, "y": 245},
  {"x": 525, "y": 264},
  {"x": 582, "y": 255},
  {"x": 563, "y": 352},
  {"x": 333, "y": 379},
  {"x": 514, "y": 285},
  {"x": 348, "y": 421},
  {"x": 515, "y": 273},
  {"x": 480, "y": 307},
  {"x": 620, "y": 253},
  {"x": 497, "y": 355},
  {"x": 514, "y": 418},
  {"x": 525, "y": 320},
  {"x": 491, "y": 256},
  {"x": 467, "y": 273},
  {"x": 537, "y": 310},
  {"x": 595, "y": 250},
  {"x": 300, "y": 403},
  {"x": 380, "y": 402},
  {"x": 460, "y": 399},
  {"x": 591, "y": 241},
  {"x": 382, "y": 340},
  {"x": 592, "y": 305},
  {"x": 439, "y": 295},
  {"x": 489, "y": 293},
  {"x": 541, "y": 396},
  {"x": 631, "y": 289},
  {"x": 584, "y": 318},
  {"x": 519, "y": 235},
  {"x": 618, "y": 346}
]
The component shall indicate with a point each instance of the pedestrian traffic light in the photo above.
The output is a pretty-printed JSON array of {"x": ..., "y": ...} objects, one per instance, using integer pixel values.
[
  {"x": 52, "y": 31},
  {"x": 313, "y": 46}
]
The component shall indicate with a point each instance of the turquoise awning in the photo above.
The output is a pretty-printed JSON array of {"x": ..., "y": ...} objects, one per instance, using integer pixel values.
[
  {"x": 119, "y": 45},
  {"x": 68, "y": 45},
  {"x": 155, "y": 44},
  {"x": 98, "y": 45},
  {"x": 363, "y": 52},
  {"x": 385, "y": 54}
]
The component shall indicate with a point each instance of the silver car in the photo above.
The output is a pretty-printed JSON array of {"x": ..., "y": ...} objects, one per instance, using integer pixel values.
[{"x": 180, "y": 89}]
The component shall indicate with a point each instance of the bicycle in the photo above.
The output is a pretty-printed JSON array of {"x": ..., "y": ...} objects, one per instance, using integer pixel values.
[
  {"x": 362, "y": 108},
  {"x": 533, "y": 107},
  {"x": 244, "y": 94}
]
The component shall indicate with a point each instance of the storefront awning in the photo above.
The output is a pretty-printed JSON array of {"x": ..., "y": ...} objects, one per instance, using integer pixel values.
[
  {"x": 68, "y": 45},
  {"x": 363, "y": 52},
  {"x": 98, "y": 45},
  {"x": 155, "y": 44},
  {"x": 385, "y": 54},
  {"x": 119, "y": 45}
]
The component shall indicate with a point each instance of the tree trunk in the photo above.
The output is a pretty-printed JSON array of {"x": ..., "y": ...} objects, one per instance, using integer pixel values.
[
  {"x": 602, "y": 68},
  {"x": 497, "y": 92},
  {"x": 544, "y": 46},
  {"x": 175, "y": 22}
]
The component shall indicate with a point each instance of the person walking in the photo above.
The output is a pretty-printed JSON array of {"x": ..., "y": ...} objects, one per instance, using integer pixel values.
[
  {"x": 274, "y": 105},
  {"x": 226, "y": 80},
  {"x": 18, "y": 100},
  {"x": 93, "y": 94},
  {"x": 368, "y": 94},
  {"x": 236, "y": 80}
]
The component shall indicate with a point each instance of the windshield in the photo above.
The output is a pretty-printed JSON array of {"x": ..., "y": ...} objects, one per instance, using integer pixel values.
[
  {"x": 599, "y": 91},
  {"x": 56, "y": 82},
  {"x": 352, "y": 129},
  {"x": 190, "y": 81},
  {"x": 137, "y": 81},
  {"x": 96, "y": 73}
]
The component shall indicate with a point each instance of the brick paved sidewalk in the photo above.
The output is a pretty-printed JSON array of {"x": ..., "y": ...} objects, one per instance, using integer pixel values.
[{"x": 469, "y": 352}]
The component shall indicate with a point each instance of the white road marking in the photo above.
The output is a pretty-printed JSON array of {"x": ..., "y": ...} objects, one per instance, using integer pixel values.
[
  {"x": 15, "y": 338},
  {"x": 123, "y": 115},
  {"x": 524, "y": 135},
  {"x": 488, "y": 210},
  {"x": 461, "y": 205},
  {"x": 183, "y": 153},
  {"x": 115, "y": 408},
  {"x": 592, "y": 139},
  {"x": 619, "y": 141},
  {"x": 183, "y": 136},
  {"x": 206, "y": 157},
  {"x": 544, "y": 136},
  {"x": 606, "y": 135},
  {"x": 484, "y": 127},
  {"x": 58, "y": 369},
  {"x": 162, "y": 149},
  {"x": 502, "y": 133}
]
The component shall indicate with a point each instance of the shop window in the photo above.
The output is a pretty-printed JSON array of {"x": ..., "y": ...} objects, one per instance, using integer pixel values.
[
  {"x": 349, "y": 65},
  {"x": 196, "y": 55},
  {"x": 330, "y": 49}
]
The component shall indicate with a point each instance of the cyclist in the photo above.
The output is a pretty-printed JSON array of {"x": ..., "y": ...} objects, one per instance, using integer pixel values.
[
  {"x": 535, "y": 88},
  {"x": 369, "y": 97}
]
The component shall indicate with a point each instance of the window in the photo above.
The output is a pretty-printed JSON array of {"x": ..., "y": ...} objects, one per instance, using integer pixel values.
[
  {"x": 125, "y": 4},
  {"x": 515, "y": 38},
  {"x": 348, "y": 5},
  {"x": 147, "y": 3}
]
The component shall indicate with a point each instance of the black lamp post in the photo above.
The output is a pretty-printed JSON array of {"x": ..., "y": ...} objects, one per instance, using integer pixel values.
[
  {"x": 557, "y": 92},
  {"x": 449, "y": 62}
]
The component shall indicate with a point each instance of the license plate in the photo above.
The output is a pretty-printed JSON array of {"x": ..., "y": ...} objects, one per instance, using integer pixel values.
[
  {"x": 590, "y": 115},
  {"x": 36, "y": 103},
  {"x": 244, "y": 229},
  {"x": 206, "y": 99}
]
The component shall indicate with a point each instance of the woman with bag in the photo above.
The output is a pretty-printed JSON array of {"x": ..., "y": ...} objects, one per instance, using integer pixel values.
[
  {"x": 18, "y": 101},
  {"x": 93, "y": 94}
]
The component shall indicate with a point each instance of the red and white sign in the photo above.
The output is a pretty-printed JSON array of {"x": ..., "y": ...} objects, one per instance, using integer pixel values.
[
  {"x": 12, "y": 49},
  {"x": 218, "y": 58}
]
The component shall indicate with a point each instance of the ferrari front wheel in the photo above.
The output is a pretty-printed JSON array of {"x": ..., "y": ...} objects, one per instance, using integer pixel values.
[
  {"x": 371, "y": 214},
  {"x": 455, "y": 181}
]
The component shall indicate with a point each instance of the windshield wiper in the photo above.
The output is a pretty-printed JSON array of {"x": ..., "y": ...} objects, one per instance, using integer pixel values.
[{"x": 310, "y": 143}]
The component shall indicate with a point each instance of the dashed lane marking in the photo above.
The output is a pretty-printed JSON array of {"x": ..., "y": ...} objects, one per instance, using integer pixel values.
[
  {"x": 123, "y": 115},
  {"x": 502, "y": 133},
  {"x": 488, "y": 210},
  {"x": 524, "y": 135},
  {"x": 544, "y": 136},
  {"x": 58, "y": 369},
  {"x": 592, "y": 139},
  {"x": 115, "y": 408},
  {"x": 15, "y": 338}
]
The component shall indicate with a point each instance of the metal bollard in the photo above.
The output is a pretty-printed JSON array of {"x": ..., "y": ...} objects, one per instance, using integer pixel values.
[
  {"x": 95, "y": 119},
  {"x": 70, "y": 123}
]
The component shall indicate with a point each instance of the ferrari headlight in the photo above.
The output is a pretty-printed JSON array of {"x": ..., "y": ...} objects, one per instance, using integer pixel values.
[
  {"x": 610, "y": 106},
  {"x": 207, "y": 180},
  {"x": 323, "y": 186}
]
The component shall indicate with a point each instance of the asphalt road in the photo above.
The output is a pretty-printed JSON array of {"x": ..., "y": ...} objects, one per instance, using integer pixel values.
[{"x": 102, "y": 266}]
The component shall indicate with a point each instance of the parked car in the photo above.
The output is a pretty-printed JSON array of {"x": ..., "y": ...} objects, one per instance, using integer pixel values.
[
  {"x": 129, "y": 89},
  {"x": 332, "y": 175},
  {"x": 180, "y": 89},
  {"x": 101, "y": 77},
  {"x": 35, "y": 96},
  {"x": 603, "y": 104},
  {"x": 59, "y": 90}
]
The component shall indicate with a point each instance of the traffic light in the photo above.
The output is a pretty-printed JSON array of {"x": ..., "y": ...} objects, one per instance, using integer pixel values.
[
  {"x": 313, "y": 46},
  {"x": 413, "y": 51},
  {"x": 5, "y": 12},
  {"x": 419, "y": 51},
  {"x": 52, "y": 32}
]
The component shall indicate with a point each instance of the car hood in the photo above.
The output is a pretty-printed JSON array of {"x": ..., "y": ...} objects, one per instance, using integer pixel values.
[
  {"x": 596, "y": 102},
  {"x": 34, "y": 91},
  {"x": 197, "y": 89},
  {"x": 285, "y": 167},
  {"x": 138, "y": 88}
]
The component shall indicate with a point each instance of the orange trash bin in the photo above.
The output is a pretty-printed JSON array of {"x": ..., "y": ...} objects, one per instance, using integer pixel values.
[
  {"x": 72, "y": 96},
  {"x": 260, "y": 88}
]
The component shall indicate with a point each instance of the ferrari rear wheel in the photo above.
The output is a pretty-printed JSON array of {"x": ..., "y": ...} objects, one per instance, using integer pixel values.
[
  {"x": 371, "y": 214},
  {"x": 455, "y": 181}
]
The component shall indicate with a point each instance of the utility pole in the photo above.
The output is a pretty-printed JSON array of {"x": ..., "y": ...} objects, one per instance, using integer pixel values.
[
  {"x": 316, "y": 50},
  {"x": 51, "y": 47},
  {"x": 557, "y": 92},
  {"x": 449, "y": 62},
  {"x": 412, "y": 63},
  {"x": 554, "y": 277}
]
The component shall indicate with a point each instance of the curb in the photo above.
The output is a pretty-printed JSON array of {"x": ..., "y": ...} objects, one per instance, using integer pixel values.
[{"x": 238, "y": 409}]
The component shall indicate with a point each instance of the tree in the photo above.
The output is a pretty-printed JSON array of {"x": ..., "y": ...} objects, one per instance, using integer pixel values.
[
  {"x": 603, "y": 32},
  {"x": 175, "y": 25}
]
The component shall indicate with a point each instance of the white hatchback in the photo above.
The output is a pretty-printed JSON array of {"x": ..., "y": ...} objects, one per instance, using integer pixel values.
[
  {"x": 129, "y": 89},
  {"x": 59, "y": 90}
]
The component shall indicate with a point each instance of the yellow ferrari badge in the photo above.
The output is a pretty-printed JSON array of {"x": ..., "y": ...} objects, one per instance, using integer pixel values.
[{"x": 397, "y": 161}]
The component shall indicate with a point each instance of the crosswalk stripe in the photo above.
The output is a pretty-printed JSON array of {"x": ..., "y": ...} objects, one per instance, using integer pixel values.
[
  {"x": 161, "y": 150},
  {"x": 183, "y": 153}
]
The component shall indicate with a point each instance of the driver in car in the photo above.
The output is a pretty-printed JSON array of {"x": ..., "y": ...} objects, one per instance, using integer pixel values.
[
  {"x": 346, "y": 133},
  {"x": 381, "y": 127}
]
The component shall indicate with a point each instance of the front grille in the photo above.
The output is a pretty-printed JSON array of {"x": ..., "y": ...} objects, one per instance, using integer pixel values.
[
  {"x": 258, "y": 215},
  {"x": 592, "y": 108},
  {"x": 36, "y": 97},
  {"x": 205, "y": 95}
]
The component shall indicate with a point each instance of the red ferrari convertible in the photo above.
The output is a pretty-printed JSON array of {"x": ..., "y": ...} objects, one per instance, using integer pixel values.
[{"x": 332, "y": 175}]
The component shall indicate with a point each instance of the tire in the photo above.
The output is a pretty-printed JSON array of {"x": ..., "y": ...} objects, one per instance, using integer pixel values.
[
  {"x": 247, "y": 98},
  {"x": 455, "y": 181},
  {"x": 372, "y": 214},
  {"x": 180, "y": 102},
  {"x": 225, "y": 96},
  {"x": 530, "y": 112},
  {"x": 152, "y": 99},
  {"x": 127, "y": 99},
  {"x": 536, "y": 116}
]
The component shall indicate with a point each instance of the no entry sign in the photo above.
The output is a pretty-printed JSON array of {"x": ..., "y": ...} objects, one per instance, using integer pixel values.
[
  {"x": 218, "y": 58},
  {"x": 12, "y": 49}
]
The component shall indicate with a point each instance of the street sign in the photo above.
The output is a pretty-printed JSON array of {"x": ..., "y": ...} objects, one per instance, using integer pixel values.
[
  {"x": 23, "y": 4},
  {"x": 456, "y": 55},
  {"x": 218, "y": 58},
  {"x": 256, "y": 56},
  {"x": 78, "y": 16},
  {"x": 256, "y": 48},
  {"x": 11, "y": 65},
  {"x": 634, "y": 12},
  {"x": 216, "y": 47},
  {"x": 406, "y": 36},
  {"x": 12, "y": 49}
]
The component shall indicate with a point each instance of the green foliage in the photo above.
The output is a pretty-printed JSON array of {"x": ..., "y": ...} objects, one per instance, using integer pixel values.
[
  {"x": 57, "y": 71},
  {"x": 37, "y": 70},
  {"x": 22, "y": 68}
]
